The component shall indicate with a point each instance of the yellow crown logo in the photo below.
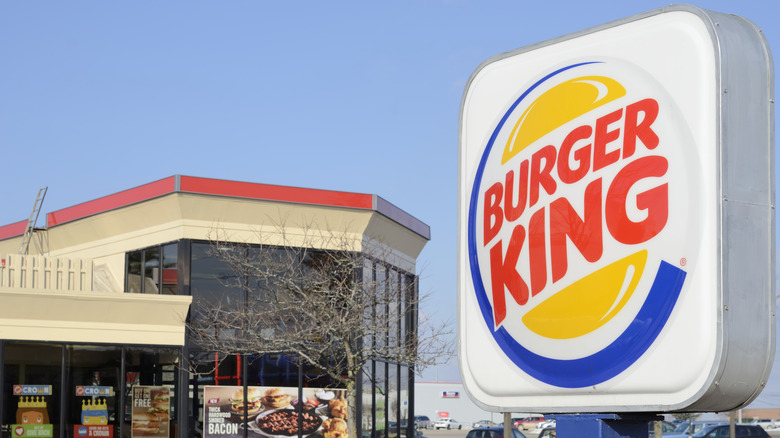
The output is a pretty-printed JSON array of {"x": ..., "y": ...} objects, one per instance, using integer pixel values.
[
  {"x": 32, "y": 402},
  {"x": 99, "y": 405}
]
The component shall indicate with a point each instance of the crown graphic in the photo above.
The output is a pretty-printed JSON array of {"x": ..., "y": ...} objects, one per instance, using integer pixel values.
[
  {"x": 99, "y": 405},
  {"x": 32, "y": 402}
]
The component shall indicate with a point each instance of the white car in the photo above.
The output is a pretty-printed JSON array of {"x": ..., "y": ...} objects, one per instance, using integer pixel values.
[
  {"x": 446, "y": 423},
  {"x": 764, "y": 423},
  {"x": 545, "y": 424}
]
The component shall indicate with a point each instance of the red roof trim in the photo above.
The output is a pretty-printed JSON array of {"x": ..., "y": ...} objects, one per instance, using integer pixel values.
[
  {"x": 275, "y": 193},
  {"x": 13, "y": 230},
  {"x": 207, "y": 186},
  {"x": 111, "y": 202}
]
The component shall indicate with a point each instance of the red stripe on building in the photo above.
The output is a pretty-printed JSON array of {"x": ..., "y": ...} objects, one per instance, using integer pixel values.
[
  {"x": 110, "y": 202},
  {"x": 13, "y": 230},
  {"x": 275, "y": 193}
]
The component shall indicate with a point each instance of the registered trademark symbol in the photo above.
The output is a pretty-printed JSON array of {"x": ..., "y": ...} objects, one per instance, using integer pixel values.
[{"x": 683, "y": 261}]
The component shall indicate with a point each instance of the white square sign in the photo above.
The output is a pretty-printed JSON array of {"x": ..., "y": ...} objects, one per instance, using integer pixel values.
[{"x": 611, "y": 252}]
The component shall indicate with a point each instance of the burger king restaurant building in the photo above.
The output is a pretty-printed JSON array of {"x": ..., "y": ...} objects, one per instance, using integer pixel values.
[{"x": 93, "y": 320}]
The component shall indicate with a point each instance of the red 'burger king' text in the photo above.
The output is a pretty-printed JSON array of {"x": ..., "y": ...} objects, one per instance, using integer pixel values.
[{"x": 591, "y": 148}]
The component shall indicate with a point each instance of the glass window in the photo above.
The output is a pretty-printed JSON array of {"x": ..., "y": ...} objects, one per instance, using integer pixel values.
[
  {"x": 89, "y": 400},
  {"x": 277, "y": 370},
  {"x": 367, "y": 419},
  {"x": 134, "y": 263},
  {"x": 213, "y": 284},
  {"x": 393, "y": 407},
  {"x": 170, "y": 273},
  {"x": 381, "y": 310},
  {"x": 394, "y": 309},
  {"x": 271, "y": 291},
  {"x": 151, "y": 271},
  {"x": 93, "y": 389},
  {"x": 380, "y": 407},
  {"x": 150, "y": 385},
  {"x": 408, "y": 306},
  {"x": 412, "y": 315},
  {"x": 32, "y": 387},
  {"x": 403, "y": 399}
]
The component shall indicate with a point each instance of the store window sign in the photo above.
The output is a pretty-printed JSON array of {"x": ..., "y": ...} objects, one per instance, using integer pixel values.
[
  {"x": 94, "y": 391},
  {"x": 34, "y": 430},
  {"x": 271, "y": 412},
  {"x": 94, "y": 412},
  {"x": 32, "y": 418},
  {"x": 106, "y": 431},
  {"x": 32, "y": 389},
  {"x": 151, "y": 411}
]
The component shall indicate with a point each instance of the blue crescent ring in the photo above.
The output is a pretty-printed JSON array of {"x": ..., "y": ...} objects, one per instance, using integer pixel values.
[{"x": 611, "y": 360}]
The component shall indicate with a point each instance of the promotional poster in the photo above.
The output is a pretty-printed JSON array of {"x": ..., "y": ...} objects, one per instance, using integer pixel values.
[
  {"x": 94, "y": 411},
  {"x": 151, "y": 411},
  {"x": 32, "y": 414},
  {"x": 273, "y": 412}
]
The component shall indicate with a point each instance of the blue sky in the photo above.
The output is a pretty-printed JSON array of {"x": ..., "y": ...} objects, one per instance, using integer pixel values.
[{"x": 361, "y": 96}]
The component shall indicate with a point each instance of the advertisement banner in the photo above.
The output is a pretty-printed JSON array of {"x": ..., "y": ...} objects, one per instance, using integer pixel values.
[
  {"x": 90, "y": 431},
  {"x": 272, "y": 412},
  {"x": 33, "y": 430},
  {"x": 151, "y": 411}
]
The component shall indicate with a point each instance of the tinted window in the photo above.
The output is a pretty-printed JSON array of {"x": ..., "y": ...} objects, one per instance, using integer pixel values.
[
  {"x": 750, "y": 431},
  {"x": 682, "y": 427},
  {"x": 152, "y": 270},
  {"x": 483, "y": 434}
]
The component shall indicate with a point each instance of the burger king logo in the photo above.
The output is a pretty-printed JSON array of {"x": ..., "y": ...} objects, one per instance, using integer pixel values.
[{"x": 582, "y": 221}]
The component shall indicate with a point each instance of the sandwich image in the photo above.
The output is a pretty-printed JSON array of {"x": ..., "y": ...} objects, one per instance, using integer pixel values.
[
  {"x": 251, "y": 401},
  {"x": 145, "y": 423},
  {"x": 160, "y": 406},
  {"x": 275, "y": 398}
]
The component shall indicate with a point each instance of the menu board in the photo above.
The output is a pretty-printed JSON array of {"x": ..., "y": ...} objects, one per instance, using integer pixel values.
[
  {"x": 272, "y": 412},
  {"x": 150, "y": 413}
]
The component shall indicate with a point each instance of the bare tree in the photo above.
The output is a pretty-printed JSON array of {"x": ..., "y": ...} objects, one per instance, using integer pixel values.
[{"x": 329, "y": 300}]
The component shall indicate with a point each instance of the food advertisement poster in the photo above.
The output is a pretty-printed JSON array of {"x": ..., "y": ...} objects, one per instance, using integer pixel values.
[
  {"x": 151, "y": 411},
  {"x": 273, "y": 412}
]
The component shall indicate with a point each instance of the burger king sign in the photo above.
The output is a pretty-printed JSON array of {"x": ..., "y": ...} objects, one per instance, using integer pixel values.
[{"x": 616, "y": 231}]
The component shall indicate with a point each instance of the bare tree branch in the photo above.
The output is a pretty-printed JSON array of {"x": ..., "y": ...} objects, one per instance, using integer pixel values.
[{"x": 331, "y": 300}]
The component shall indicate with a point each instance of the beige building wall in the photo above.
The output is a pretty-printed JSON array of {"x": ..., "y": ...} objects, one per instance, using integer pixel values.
[
  {"x": 106, "y": 237},
  {"x": 749, "y": 415},
  {"x": 98, "y": 311}
]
